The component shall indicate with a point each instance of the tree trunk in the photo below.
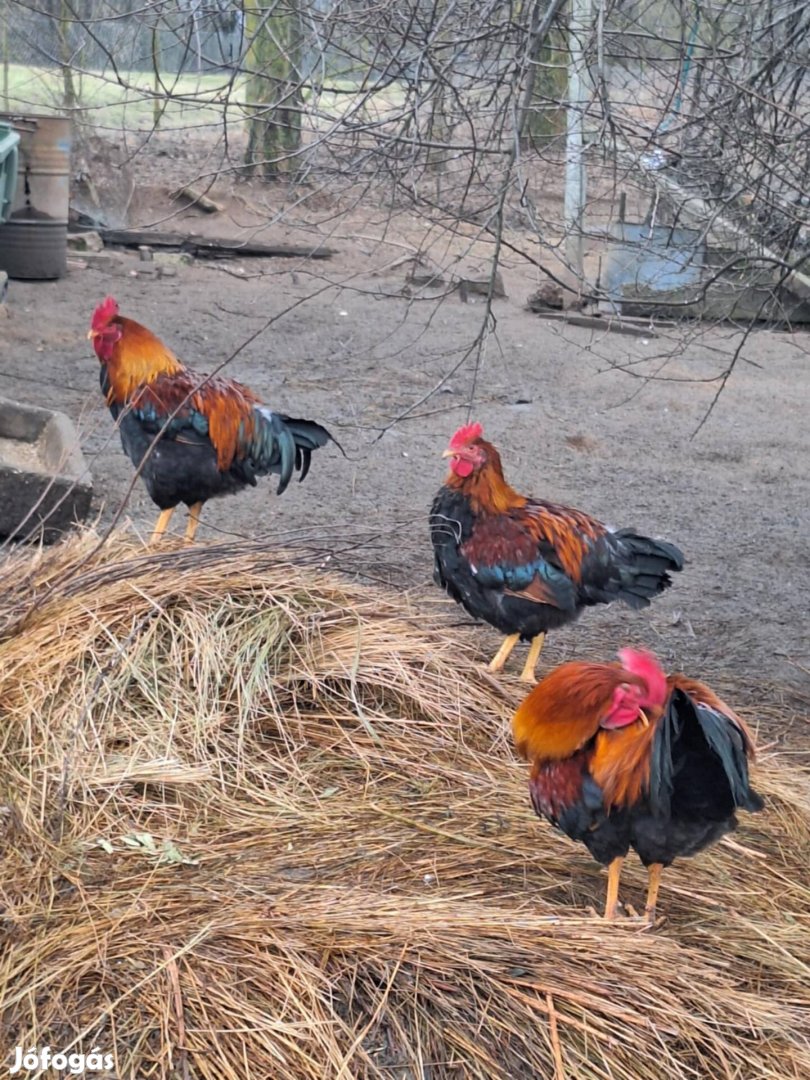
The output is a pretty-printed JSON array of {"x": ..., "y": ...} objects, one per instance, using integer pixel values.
[
  {"x": 157, "y": 107},
  {"x": 63, "y": 24},
  {"x": 273, "y": 59},
  {"x": 6, "y": 60},
  {"x": 546, "y": 119}
]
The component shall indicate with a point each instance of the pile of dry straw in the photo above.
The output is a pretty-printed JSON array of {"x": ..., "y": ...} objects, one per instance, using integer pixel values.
[{"x": 259, "y": 822}]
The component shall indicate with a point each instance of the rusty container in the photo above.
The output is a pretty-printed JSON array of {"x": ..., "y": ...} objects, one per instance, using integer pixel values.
[{"x": 33, "y": 241}]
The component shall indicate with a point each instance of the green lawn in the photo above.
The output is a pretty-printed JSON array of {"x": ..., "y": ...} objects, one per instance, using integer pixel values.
[
  {"x": 187, "y": 101},
  {"x": 104, "y": 102}
]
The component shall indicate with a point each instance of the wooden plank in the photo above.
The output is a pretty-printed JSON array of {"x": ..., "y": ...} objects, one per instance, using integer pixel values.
[
  {"x": 198, "y": 198},
  {"x": 596, "y": 322},
  {"x": 208, "y": 247}
]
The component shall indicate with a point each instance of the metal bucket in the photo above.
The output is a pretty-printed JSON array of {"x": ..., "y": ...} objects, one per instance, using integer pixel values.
[{"x": 33, "y": 242}]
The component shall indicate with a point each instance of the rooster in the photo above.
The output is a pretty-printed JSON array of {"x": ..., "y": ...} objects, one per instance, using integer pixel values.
[
  {"x": 527, "y": 566},
  {"x": 625, "y": 757},
  {"x": 194, "y": 437}
]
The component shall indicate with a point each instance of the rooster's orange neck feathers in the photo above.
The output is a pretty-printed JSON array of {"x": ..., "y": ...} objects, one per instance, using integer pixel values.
[
  {"x": 563, "y": 712},
  {"x": 486, "y": 488},
  {"x": 137, "y": 358},
  {"x": 561, "y": 718}
]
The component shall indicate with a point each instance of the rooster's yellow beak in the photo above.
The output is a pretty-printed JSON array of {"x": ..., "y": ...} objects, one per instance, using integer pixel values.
[
  {"x": 448, "y": 453},
  {"x": 91, "y": 334}
]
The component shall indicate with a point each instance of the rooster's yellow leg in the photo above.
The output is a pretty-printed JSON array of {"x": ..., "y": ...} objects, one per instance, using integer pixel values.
[
  {"x": 194, "y": 512},
  {"x": 536, "y": 647},
  {"x": 162, "y": 524},
  {"x": 502, "y": 655},
  {"x": 612, "y": 898},
  {"x": 654, "y": 883}
]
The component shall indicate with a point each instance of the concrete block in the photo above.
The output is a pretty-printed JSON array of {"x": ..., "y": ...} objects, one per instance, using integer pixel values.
[
  {"x": 45, "y": 485},
  {"x": 85, "y": 241},
  {"x": 173, "y": 258}
]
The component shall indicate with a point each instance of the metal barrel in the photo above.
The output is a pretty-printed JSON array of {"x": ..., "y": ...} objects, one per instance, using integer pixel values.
[{"x": 33, "y": 241}]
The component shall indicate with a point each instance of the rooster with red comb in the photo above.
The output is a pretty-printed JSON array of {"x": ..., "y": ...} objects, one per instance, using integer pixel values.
[
  {"x": 527, "y": 566},
  {"x": 193, "y": 437},
  {"x": 624, "y": 757}
]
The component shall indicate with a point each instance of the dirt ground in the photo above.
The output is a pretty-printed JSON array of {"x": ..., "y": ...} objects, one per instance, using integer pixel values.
[{"x": 571, "y": 427}]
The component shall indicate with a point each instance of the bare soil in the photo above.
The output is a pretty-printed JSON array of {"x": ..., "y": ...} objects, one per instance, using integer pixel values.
[{"x": 367, "y": 347}]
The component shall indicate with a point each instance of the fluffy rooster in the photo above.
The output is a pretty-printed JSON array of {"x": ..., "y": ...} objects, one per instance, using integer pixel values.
[
  {"x": 527, "y": 566},
  {"x": 212, "y": 436},
  {"x": 625, "y": 757}
]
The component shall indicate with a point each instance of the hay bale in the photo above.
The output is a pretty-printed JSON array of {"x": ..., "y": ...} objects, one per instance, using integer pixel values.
[{"x": 263, "y": 822}]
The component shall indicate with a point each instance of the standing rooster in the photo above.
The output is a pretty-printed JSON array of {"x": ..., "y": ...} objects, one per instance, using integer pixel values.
[
  {"x": 194, "y": 437},
  {"x": 625, "y": 757},
  {"x": 527, "y": 566}
]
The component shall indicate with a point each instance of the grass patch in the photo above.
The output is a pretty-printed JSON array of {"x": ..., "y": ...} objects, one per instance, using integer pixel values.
[
  {"x": 105, "y": 102},
  {"x": 190, "y": 102}
]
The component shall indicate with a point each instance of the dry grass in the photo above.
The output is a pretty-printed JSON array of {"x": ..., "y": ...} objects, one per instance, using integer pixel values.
[{"x": 263, "y": 823}]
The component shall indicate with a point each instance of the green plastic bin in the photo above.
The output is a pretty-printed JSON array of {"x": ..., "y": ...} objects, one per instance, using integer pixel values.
[{"x": 9, "y": 154}]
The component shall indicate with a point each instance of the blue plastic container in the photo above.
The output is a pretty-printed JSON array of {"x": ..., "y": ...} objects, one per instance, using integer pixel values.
[{"x": 9, "y": 161}]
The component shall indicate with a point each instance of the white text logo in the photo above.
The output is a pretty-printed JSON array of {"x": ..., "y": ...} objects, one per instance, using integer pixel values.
[{"x": 72, "y": 1064}]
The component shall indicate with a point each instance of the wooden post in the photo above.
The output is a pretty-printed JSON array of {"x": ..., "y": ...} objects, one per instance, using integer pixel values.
[{"x": 575, "y": 176}]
